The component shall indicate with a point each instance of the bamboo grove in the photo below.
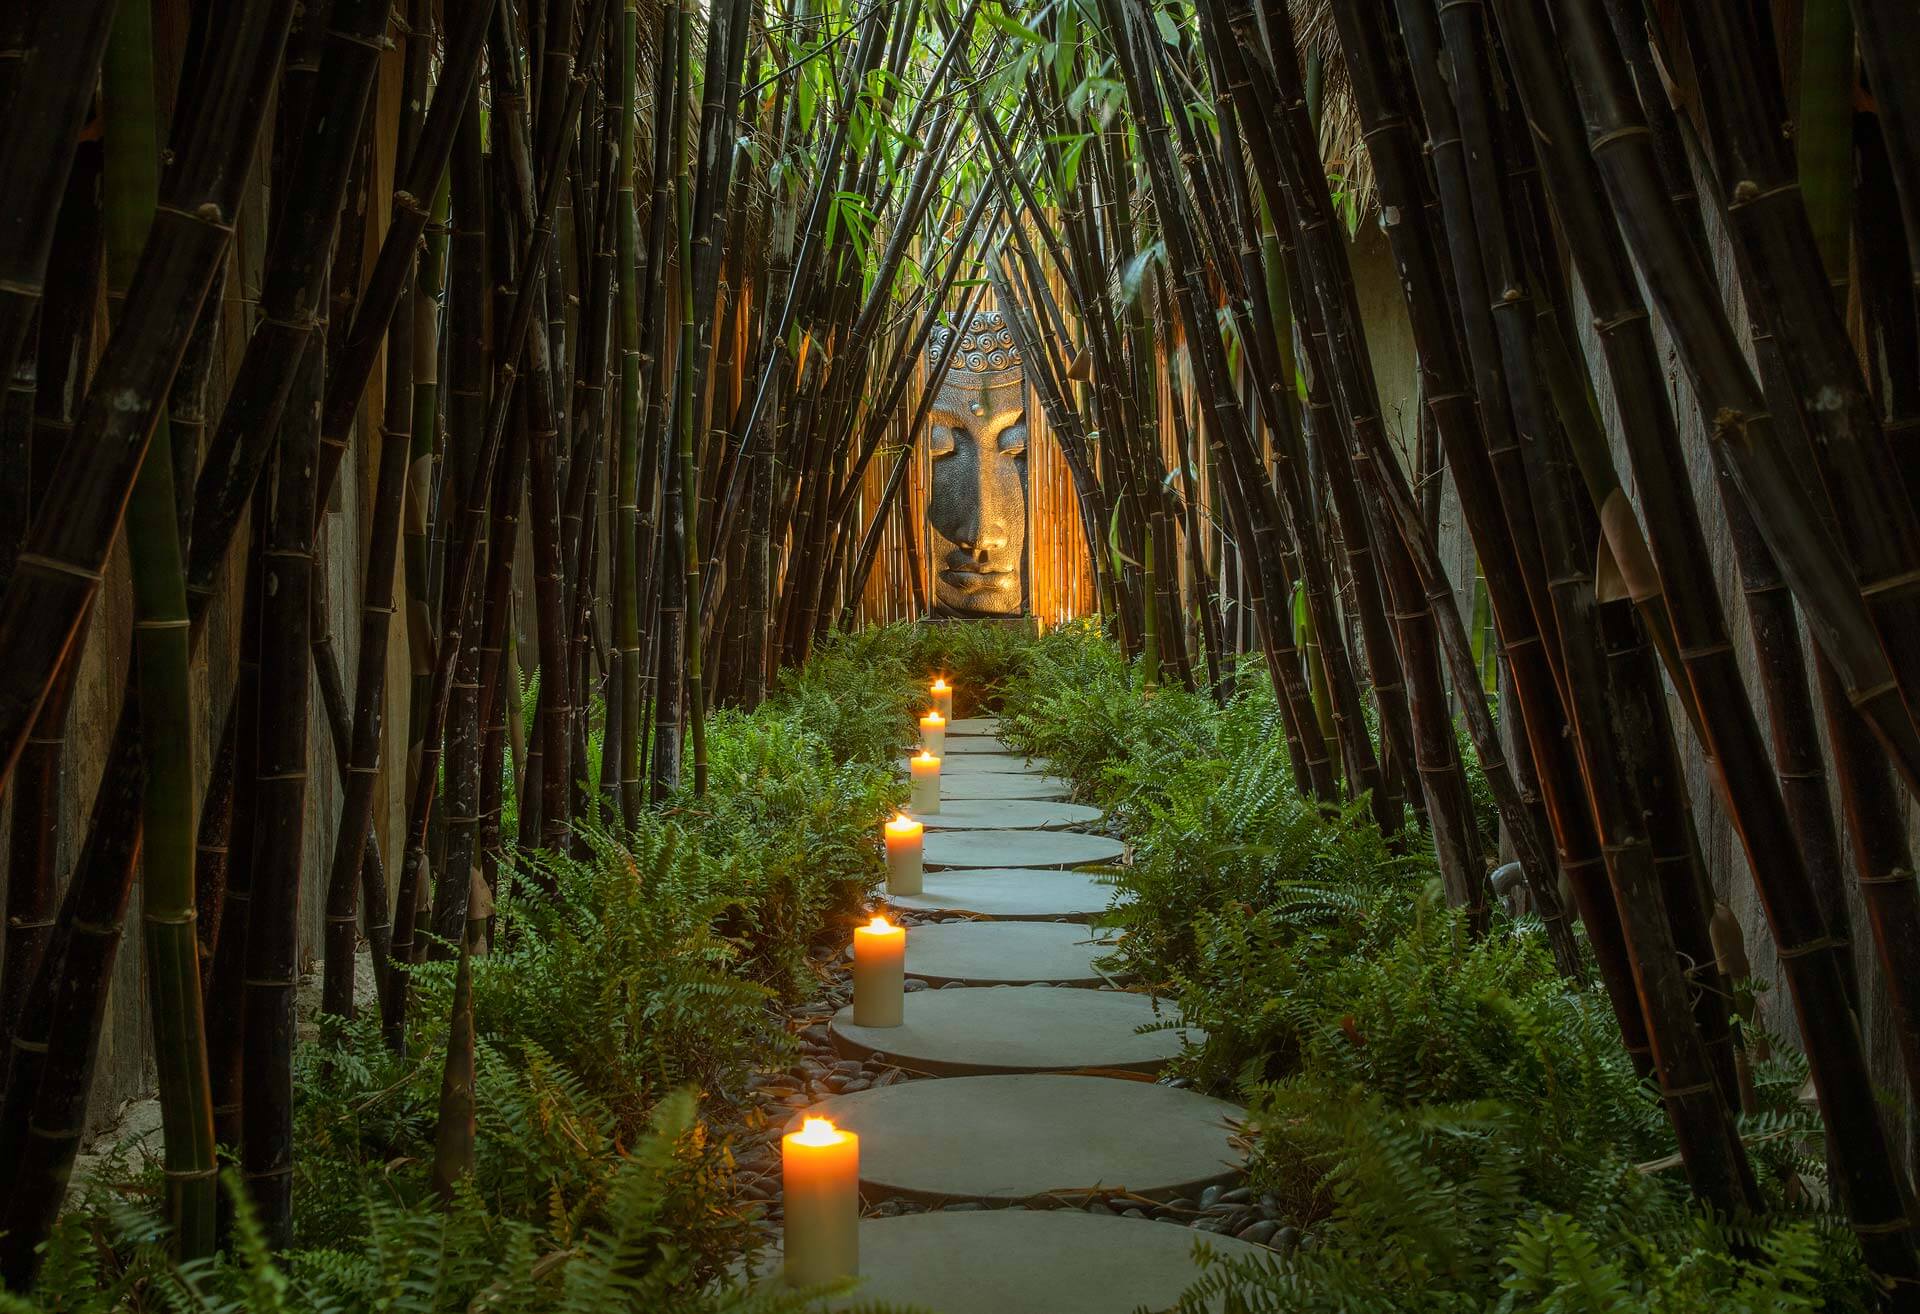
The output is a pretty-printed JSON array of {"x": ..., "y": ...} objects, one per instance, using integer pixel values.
[{"x": 632, "y": 336}]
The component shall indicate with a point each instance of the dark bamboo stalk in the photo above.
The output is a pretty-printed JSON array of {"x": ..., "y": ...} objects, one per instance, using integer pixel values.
[
  {"x": 60, "y": 571},
  {"x": 48, "y": 94},
  {"x": 1870, "y": 1190}
]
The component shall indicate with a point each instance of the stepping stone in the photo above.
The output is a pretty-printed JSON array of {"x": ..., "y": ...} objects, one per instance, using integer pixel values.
[
  {"x": 1010, "y": 894},
  {"x": 1005, "y": 953},
  {"x": 1003, "y": 1140},
  {"x": 972, "y": 745},
  {"x": 981, "y": 785},
  {"x": 1018, "y": 848},
  {"x": 1019, "y": 1261},
  {"x": 961, "y": 1033},
  {"x": 974, "y": 725},
  {"x": 1008, "y": 814},
  {"x": 978, "y": 763}
]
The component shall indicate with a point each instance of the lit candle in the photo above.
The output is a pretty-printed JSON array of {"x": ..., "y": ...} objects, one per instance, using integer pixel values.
[
  {"x": 926, "y": 783},
  {"x": 933, "y": 733},
  {"x": 943, "y": 697},
  {"x": 879, "y": 973},
  {"x": 904, "y": 869},
  {"x": 820, "y": 1182}
]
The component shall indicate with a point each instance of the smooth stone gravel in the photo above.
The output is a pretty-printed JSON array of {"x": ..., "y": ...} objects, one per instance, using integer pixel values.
[
  {"x": 1020, "y": 1261},
  {"x": 1017, "y": 848},
  {"x": 1007, "y": 814},
  {"x": 1014, "y": 1138},
  {"x": 1004, "y": 953},
  {"x": 972, "y": 745},
  {"x": 969, "y": 1032},
  {"x": 1001, "y": 785},
  {"x": 974, "y": 725},
  {"x": 1010, "y": 894}
]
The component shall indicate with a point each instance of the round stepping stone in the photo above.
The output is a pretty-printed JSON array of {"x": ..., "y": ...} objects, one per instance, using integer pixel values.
[
  {"x": 1005, "y": 953},
  {"x": 957, "y": 1033},
  {"x": 1010, "y": 894},
  {"x": 974, "y": 725},
  {"x": 1008, "y": 814},
  {"x": 973, "y": 745},
  {"x": 1017, "y": 848},
  {"x": 982, "y": 785},
  {"x": 1010, "y": 1261},
  {"x": 977, "y": 763},
  {"x": 1002, "y": 1140}
]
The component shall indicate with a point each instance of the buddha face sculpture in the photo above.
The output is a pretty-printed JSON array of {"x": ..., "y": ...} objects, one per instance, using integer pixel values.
[{"x": 977, "y": 502}]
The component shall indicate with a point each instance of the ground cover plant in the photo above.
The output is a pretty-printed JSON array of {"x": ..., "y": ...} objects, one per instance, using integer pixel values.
[
  {"x": 1449, "y": 1124},
  {"x": 629, "y": 991}
]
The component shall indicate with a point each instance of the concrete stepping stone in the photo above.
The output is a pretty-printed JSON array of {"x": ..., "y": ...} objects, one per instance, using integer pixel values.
[
  {"x": 1008, "y": 814},
  {"x": 1024, "y": 1261},
  {"x": 972, "y": 745},
  {"x": 982, "y": 785},
  {"x": 1010, "y": 894},
  {"x": 1005, "y": 953},
  {"x": 978, "y": 763},
  {"x": 1018, "y": 848},
  {"x": 1003, "y": 1140},
  {"x": 974, "y": 725},
  {"x": 956, "y": 1033}
]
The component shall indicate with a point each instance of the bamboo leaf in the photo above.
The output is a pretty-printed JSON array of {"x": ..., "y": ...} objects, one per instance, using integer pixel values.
[{"x": 1013, "y": 27}]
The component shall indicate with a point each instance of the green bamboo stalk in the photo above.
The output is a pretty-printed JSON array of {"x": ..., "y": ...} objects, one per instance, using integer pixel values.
[
  {"x": 688, "y": 410},
  {"x": 162, "y": 650},
  {"x": 626, "y": 527}
]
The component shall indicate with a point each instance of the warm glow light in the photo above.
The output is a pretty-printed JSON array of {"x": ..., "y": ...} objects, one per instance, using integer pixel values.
[
  {"x": 939, "y": 685},
  {"x": 880, "y": 924},
  {"x": 933, "y": 720},
  {"x": 818, "y": 1131},
  {"x": 926, "y": 757},
  {"x": 902, "y": 824}
]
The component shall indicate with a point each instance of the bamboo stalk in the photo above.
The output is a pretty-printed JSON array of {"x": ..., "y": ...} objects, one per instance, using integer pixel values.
[
  {"x": 1868, "y": 1187},
  {"x": 162, "y": 651},
  {"x": 59, "y": 573},
  {"x": 48, "y": 96}
]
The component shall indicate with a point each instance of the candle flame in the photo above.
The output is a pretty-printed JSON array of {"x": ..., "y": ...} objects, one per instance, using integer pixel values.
[
  {"x": 903, "y": 824},
  {"x": 939, "y": 685},
  {"x": 818, "y": 1131},
  {"x": 933, "y": 718},
  {"x": 880, "y": 923},
  {"x": 925, "y": 757}
]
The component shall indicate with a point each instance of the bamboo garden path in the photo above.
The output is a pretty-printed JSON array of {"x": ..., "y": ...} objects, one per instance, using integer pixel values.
[{"x": 1041, "y": 1121}]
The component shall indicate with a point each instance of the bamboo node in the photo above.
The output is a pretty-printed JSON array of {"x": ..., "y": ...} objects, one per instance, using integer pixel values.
[
  {"x": 1898, "y": 1223},
  {"x": 1617, "y": 136},
  {"x": 1681, "y": 1092},
  {"x": 1816, "y": 945},
  {"x": 1891, "y": 584},
  {"x": 56, "y": 566}
]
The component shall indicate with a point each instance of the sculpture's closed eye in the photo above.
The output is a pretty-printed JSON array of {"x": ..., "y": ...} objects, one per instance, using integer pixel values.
[{"x": 941, "y": 440}]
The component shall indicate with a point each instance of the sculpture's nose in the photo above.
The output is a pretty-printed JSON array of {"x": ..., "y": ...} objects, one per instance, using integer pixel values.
[{"x": 978, "y": 538}]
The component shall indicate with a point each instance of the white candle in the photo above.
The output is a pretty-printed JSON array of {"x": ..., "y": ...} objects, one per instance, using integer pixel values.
[
  {"x": 943, "y": 697},
  {"x": 926, "y": 783},
  {"x": 879, "y": 973},
  {"x": 820, "y": 1185},
  {"x": 904, "y": 867},
  {"x": 933, "y": 733}
]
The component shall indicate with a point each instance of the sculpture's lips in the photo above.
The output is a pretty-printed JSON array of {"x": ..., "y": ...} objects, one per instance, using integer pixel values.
[{"x": 989, "y": 577}]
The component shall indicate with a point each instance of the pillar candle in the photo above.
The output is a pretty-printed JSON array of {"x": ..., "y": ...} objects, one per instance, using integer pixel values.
[
  {"x": 879, "y": 973},
  {"x": 926, "y": 784},
  {"x": 820, "y": 1183},
  {"x": 943, "y": 697},
  {"x": 904, "y": 869},
  {"x": 933, "y": 733}
]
